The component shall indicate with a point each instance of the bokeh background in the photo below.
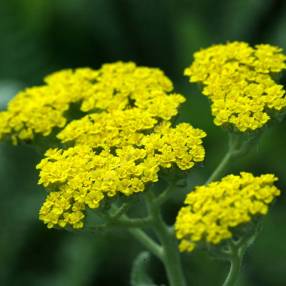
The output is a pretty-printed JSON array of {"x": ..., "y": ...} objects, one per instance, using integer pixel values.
[{"x": 40, "y": 36}]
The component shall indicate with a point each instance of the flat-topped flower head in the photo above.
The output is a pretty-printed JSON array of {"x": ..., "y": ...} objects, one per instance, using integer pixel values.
[
  {"x": 109, "y": 129},
  {"x": 79, "y": 178},
  {"x": 82, "y": 176},
  {"x": 116, "y": 86},
  {"x": 212, "y": 212},
  {"x": 121, "y": 139},
  {"x": 119, "y": 127},
  {"x": 238, "y": 80}
]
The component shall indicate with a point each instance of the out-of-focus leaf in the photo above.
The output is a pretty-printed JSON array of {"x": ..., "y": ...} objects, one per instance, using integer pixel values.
[{"x": 139, "y": 273}]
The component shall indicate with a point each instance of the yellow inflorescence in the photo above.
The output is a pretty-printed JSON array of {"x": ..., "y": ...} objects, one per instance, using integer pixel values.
[
  {"x": 110, "y": 129},
  {"x": 83, "y": 178},
  {"x": 213, "y": 210},
  {"x": 119, "y": 146},
  {"x": 181, "y": 145},
  {"x": 117, "y": 86},
  {"x": 114, "y": 129},
  {"x": 238, "y": 79}
]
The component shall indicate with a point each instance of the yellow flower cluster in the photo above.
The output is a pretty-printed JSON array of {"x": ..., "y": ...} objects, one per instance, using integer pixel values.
[
  {"x": 238, "y": 80},
  {"x": 116, "y": 86},
  {"x": 117, "y": 128},
  {"x": 213, "y": 210},
  {"x": 120, "y": 146},
  {"x": 109, "y": 129},
  {"x": 181, "y": 145},
  {"x": 83, "y": 178}
]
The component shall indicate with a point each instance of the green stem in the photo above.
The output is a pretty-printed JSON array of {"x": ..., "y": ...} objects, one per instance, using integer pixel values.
[
  {"x": 132, "y": 222},
  {"x": 170, "y": 256},
  {"x": 221, "y": 167},
  {"x": 235, "y": 264},
  {"x": 235, "y": 148},
  {"x": 233, "y": 272},
  {"x": 148, "y": 242},
  {"x": 120, "y": 211},
  {"x": 120, "y": 219},
  {"x": 165, "y": 194}
]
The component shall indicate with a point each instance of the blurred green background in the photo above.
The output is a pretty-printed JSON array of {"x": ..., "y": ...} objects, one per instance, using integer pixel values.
[{"x": 41, "y": 36}]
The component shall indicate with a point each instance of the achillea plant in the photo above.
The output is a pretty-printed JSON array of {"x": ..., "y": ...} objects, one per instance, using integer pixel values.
[{"x": 110, "y": 134}]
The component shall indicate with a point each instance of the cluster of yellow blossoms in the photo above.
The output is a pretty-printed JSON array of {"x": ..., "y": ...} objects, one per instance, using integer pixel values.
[
  {"x": 82, "y": 178},
  {"x": 238, "y": 80},
  {"x": 112, "y": 129},
  {"x": 117, "y": 86},
  {"x": 125, "y": 136},
  {"x": 118, "y": 147},
  {"x": 213, "y": 210}
]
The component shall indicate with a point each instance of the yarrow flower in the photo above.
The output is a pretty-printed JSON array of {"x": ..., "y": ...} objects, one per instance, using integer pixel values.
[
  {"x": 116, "y": 86},
  {"x": 118, "y": 150},
  {"x": 213, "y": 211},
  {"x": 238, "y": 80},
  {"x": 114, "y": 129},
  {"x": 80, "y": 177}
]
